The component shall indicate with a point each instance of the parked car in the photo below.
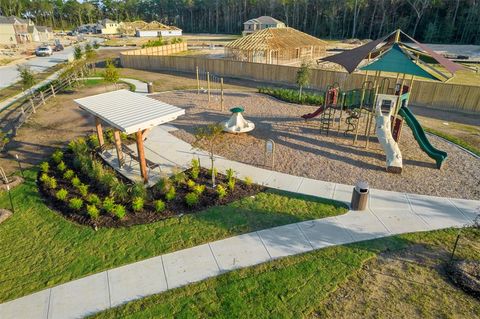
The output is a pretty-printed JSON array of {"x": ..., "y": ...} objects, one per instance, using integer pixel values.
[
  {"x": 44, "y": 50},
  {"x": 58, "y": 47}
]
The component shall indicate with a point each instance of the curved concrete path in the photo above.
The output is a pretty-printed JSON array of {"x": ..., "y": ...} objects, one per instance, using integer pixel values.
[{"x": 388, "y": 213}]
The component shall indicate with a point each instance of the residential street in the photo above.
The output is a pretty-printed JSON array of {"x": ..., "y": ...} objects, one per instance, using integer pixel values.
[{"x": 9, "y": 73}]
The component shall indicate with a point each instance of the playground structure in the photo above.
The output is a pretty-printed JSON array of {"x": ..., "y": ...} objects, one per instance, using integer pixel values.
[
  {"x": 237, "y": 124},
  {"x": 377, "y": 100}
]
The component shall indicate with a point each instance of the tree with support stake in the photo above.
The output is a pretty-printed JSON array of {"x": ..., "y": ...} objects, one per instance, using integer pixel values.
[
  {"x": 26, "y": 76},
  {"x": 111, "y": 74},
  {"x": 303, "y": 77},
  {"x": 211, "y": 135}
]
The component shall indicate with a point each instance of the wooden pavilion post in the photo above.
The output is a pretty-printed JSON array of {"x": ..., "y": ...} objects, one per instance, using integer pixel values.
[
  {"x": 98, "y": 126},
  {"x": 141, "y": 156},
  {"x": 118, "y": 147}
]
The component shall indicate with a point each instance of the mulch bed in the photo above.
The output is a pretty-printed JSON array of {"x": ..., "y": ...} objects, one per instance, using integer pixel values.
[
  {"x": 466, "y": 275},
  {"x": 174, "y": 208}
]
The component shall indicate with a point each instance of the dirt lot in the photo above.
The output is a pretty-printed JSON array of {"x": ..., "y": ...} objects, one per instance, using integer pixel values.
[
  {"x": 301, "y": 150},
  {"x": 54, "y": 125},
  {"x": 408, "y": 284},
  {"x": 460, "y": 125}
]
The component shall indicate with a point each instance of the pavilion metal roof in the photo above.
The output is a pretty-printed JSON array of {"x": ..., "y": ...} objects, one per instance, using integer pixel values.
[{"x": 129, "y": 112}]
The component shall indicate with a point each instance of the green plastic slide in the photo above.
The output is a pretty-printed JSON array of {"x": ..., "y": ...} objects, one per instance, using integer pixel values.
[{"x": 419, "y": 134}]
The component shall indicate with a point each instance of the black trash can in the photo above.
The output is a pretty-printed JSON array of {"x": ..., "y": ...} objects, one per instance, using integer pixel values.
[
  {"x": 150, "y": 87},
  {"x": 360, "y": 196}
]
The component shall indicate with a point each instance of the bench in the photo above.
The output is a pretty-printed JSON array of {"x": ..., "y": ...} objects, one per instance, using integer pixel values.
[{"x": 150, "y": 165}]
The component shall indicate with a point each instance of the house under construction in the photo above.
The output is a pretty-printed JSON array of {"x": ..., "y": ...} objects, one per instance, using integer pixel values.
[
  {"x": 149, "y": 29},
  {"x": 276, "y": 46}
]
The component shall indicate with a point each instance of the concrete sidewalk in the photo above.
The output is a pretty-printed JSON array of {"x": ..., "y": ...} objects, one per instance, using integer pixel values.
[{"x": 388, "y": 213}]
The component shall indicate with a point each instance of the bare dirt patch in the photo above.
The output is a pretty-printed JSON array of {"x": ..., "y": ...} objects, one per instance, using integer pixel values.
[
  {"x": 303, "y": 151},
  {"x": 408, "y": 284},
  {"x": 53, "y": 126}
]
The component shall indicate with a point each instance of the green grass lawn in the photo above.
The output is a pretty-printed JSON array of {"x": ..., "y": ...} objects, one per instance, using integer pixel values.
[
  {"x": 292, "y": 287},
  {"x": 41, "y": 249},
  {"x": 455, "y": 140}
]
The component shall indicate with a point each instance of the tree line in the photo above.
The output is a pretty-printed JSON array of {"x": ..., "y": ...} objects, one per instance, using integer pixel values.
[{"x": 433, "y": 21}]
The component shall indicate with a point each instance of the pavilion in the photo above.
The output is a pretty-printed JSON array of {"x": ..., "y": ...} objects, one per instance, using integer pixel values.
[{"x": 130, "y": 113}]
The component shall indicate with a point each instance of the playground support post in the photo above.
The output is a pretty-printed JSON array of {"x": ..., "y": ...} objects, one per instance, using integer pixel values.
[
  {"x": 399, "y": 100},
  {"x": 198, "y": 80},
  {"x": 221, "y": 93},
  {"x": 372, "y": 113},
  {"x": 362, "y": 98},
  {"x": 208, "y": 85},
  {"x": 342, "y": 105}
]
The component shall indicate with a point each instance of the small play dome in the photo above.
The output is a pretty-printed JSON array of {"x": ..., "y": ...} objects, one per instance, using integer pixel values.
[{"x": 237, "y": 124}]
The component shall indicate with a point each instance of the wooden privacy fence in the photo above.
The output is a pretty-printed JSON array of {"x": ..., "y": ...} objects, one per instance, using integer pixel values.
[
  {"x": 160, "y": 50},
  {"x": 425, "y": 93}
]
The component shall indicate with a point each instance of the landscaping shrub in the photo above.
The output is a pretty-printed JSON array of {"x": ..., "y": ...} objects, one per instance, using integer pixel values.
[
  {"x": 137, "y": 204},
  {"x": 230, "y": 173},
  {"x": 159, "y": 206},
  {"x": 107, "y": 181},
  {"x": 93, "y": 141},
  {"x": 62, "y": 194},
  {"x": 61, "y": 166},
  {"x": 44, "y": 177},
  {"x": 78, "y": 146},
  {"x": 57, "y": 156},
  {"x": 83, "y": 190},
  {"x": 97, "y": 171},
  {"x": 198, "y": 189},
  {"x": 76, "y": 182},
  {"x": 119, "y": 191},
  {"x": 69, "y": 174},
  {"x": 93, "y": 211},
  {"x": 154, "y": 43},
  {"x": 44, "y": 167},
  {"x": 119, "y": 211},
  {"x": 94, "y": 199},
  {"x": 191, "y": 184},
  {"x": 109, "y": 204},
  {"x": 195, "y": 170},
  {"x": 138, "y": 190},
  {"x": 221, "y": 191},
  {"x": 191, "y": 199},
  {"x": 231, "y": 184},
  {"x": 171, "y": 194},
  {"x": 293, "y": 96},
  {"x": 75, "y": 203},
  {"x": 248, "y": 181},
  {"x": 163, "y": 185},
  {"x": 179, "y": 178},
  {"x": 50, "y": 182},
  {"x": 176, "y": 40},
  {"x": 109, "y": 136}
]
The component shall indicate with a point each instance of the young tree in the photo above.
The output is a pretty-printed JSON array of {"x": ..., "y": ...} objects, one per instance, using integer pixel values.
[
  {"x": 111, "y": 74},
  {"x": 303, "y": 77},
  {"x": 26, "y": 76},
  {"x": 211, "y": 135},
  {"x": 90, "y": 54},
  {"x": 95, "y": 44},
  {"x": 77, "y": 52}
]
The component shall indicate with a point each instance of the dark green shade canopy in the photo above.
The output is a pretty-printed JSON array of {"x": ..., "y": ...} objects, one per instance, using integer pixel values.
[
  {"x": 237, "y": 109},
  {"x": 396, "y": 61}
]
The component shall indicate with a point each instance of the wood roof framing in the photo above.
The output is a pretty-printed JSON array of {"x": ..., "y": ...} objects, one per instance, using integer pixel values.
[{"x": 273, "y": 39}]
